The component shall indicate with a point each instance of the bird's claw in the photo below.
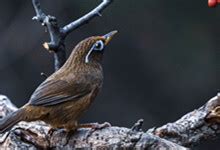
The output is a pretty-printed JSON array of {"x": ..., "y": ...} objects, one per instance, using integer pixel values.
[
  {"x": 94, "y": 127},
  {"x": 51, "y": 131}
]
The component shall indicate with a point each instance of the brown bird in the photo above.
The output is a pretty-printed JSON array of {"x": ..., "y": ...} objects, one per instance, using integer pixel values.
[{"x": 63, "y": 97}]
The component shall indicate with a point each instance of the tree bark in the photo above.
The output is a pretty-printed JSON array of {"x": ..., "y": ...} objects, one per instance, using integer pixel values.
[{"x": 197, "y": 126}]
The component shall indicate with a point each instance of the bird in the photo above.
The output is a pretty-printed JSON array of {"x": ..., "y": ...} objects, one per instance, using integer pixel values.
[{"x": 65, "y": 95}]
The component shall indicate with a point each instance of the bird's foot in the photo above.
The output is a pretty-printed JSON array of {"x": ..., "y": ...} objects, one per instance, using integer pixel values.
[
  {"x": 94, "y": 127},
  {"x": 51, "y": 131},
  {"x": 69, "y": 135}
]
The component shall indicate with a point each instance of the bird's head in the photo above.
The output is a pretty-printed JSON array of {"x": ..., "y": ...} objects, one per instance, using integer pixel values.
[{"x": 91, "y": 49}]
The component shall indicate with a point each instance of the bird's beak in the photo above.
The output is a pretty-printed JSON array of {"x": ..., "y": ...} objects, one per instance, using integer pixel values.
[{"x": 108, "y": 37}]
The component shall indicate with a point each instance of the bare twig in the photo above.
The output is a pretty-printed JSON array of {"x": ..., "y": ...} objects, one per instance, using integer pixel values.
[
  {"x": 86, "y": 18},
  {"x": 194, "y": 127},
  {"x": 44, "y": 75},
  {"x": 58, "y": 34}
]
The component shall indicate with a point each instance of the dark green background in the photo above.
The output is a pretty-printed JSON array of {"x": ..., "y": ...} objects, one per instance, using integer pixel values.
[{"x": 163, "y": 63}]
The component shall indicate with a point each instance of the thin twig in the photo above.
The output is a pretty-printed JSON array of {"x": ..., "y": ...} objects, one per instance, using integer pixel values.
[{"x": 86, "y": 18}]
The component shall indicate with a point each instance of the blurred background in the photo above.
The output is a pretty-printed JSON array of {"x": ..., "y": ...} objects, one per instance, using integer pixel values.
[{"x": 162, "y": 64}]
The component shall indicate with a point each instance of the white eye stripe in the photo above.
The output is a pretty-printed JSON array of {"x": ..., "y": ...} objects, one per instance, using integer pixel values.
[
  {"x": 87, "y": 56},
  {"x": 99, "y": 45}
]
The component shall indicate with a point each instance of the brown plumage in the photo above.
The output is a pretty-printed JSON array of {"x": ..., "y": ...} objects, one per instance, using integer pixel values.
[{"x": 62, "y": 98}]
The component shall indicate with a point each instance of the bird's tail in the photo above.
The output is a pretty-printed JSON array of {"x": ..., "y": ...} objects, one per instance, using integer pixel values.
[{"x": 11, "y": 119}]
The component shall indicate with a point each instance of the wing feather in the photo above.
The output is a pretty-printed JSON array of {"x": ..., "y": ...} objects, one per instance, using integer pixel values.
[{"x": 53, "y": 92}]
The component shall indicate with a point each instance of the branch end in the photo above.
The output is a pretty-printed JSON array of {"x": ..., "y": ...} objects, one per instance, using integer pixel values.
[
  {"x": 138, "y": 125},
  {"x": 46, "y": 46}
]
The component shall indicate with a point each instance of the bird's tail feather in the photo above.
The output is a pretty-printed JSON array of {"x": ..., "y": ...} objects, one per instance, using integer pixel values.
[{"x": 10, "y": 120}]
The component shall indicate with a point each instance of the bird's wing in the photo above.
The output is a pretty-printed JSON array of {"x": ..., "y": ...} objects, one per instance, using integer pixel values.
[{"x": 53, "y": 92}]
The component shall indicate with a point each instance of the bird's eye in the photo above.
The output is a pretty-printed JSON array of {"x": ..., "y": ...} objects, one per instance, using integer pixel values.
[{"x": 99, "y": 45}]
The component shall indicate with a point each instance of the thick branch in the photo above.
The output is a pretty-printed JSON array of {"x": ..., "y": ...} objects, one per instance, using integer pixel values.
[
  {"x": 58, "y": 34},
  {"x": 199, "y": 125},
  {"x": 194, "y": 127},
  {"x": 57, "y": 39},
  {"x": 35, "y": 135}
]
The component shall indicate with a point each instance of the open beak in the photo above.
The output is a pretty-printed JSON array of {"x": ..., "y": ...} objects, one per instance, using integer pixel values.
[{"x": 108, "y": 37}]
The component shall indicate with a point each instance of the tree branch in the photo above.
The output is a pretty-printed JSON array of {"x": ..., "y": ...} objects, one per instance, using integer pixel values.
[
  {"x": 196, "y": 126},
  {"x": 58, "y": 34},
  {"x": 193, "y": 128},
  {"x": 34, "y": 135},
  {"x": 86, "y": 18}
]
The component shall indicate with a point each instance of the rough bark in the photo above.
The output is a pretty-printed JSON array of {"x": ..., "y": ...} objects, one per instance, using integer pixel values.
[{"x": 195, "y": 127}]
